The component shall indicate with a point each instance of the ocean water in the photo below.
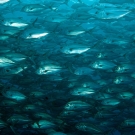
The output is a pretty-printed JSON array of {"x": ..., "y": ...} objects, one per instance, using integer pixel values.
[{"x": 67, "y": 67}]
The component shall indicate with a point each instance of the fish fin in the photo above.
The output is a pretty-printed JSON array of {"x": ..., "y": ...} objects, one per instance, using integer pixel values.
[
  {"x": 19, "y": 1},
  {"x": 15, "y": 133},
  {"x": 110, "y": 131},
  {"x": 96, "y": 44},
  {"x": 51, "y": 7},
  {"x": 33, "y": 24},
  {"x": 91, "y": 30},
  {"x": 70, "y": 68},
  {"x": 38, "y": 124},
  {"x": 80, "y": 1},
  {"x": 66, "y": 2}
]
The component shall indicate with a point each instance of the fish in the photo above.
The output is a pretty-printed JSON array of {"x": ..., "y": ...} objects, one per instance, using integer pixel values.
[
  {"x": 13, "y": 22},
  {"x": 101, "y": 96},
  {"x": 4, "y": 1},
  {"x": 88, "y": 128},
  {"x": 68, "y": 114},
  {"x": 18, "y": 119},
  {"x": 42, "y": 124},
  {"x": 77, "y": 105},
  {"x": 74, "y": 49},
  {"x": 125, "y": 95},
  {"x": 110, "y": 101},
  {"x": 82, "y": 91},
  {"x": 53, "y": 132},
  {"x": 115, "y": 89},
  {"x": 103, "y": 65},
  {"x": 128, "y": 123},
  {"x": 4, "y": 49},
  {"x": 34, "y": 34},
  {"x": 2, "y": 124},
  {"x": 13, "y": 70},
  {"x": 5, "y": 62},
  {"x": 42, "y": 115},
  {"x": 15, "y": 95},
  {"x": 33, "y": 8},
  {"x": 106, "y": 11},
  {"x": 105, "y": 114},
  {"x": 16, "y": 57},
  {"x": 31, "y": 108},
  {"x": 124, "y": 68},
  {"x": 67, "y": 67},
  {"x": 122, "y": 80},
  {"x": 11, "y": 31},
  {"x": 48, "y": 67},
  {"x": 80, "y": 70}
]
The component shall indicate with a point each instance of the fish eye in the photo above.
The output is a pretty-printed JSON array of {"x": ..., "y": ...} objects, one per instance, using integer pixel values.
[
  {"x": 33, "y": 95},
  {"x": 100, "y": 65},
  {"x": 69, "y": 104},
  {"x": 125, "y": 69},
  {"x": 40, "y": 117},
  {"x": 31, "y": 8},
  {"x": 11, "y": 22},
  {"x": 86, "y": 128},
  {"x": 92, "y": 63},
  {"x": 99, "y": 54},
  {"x": 107, "y": 13},
  {"x": 71, "y": 49},
  {"x": 46, "y": 98},
  {"x": 124, "y": 96},
  {"x": 8, "y": 87},
  {"x": 45, "y": 71},
  {"x": 111, "y": 90},
  {"x": 96, "y": 12},
  {"x": 7, "y": 70}
]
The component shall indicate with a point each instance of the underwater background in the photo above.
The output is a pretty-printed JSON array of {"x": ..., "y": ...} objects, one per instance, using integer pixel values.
[{"x": 67, "y": 67}]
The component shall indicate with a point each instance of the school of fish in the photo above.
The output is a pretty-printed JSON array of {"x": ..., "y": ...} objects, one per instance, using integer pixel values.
[{"x": 67, "y": 67}]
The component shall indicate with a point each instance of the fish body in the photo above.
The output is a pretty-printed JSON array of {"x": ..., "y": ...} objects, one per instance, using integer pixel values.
[
  {"x": 103, "y": 65},
  {"x": 110, "y": 101},
  {"x": 77, "y": 105},
  {"x": 74, "y": 49},
  {"x": 16, "y": 95},
  {"x": 18, "y": 119},
  {"x": 33, "y": 8},
  {"x": 88, "y": 128},
  {"x": 82, "y": 91},
  {"x": 18, "y": 23},
  {"x": 42, "y": 124}
]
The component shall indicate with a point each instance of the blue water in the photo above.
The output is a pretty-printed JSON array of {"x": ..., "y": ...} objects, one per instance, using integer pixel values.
[{"x": 67, "y": 67}]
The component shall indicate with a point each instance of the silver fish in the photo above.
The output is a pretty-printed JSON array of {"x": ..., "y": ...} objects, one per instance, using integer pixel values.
[
  {"x": 103, "y": 64},
  {"x": 77, "y": 105}
]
